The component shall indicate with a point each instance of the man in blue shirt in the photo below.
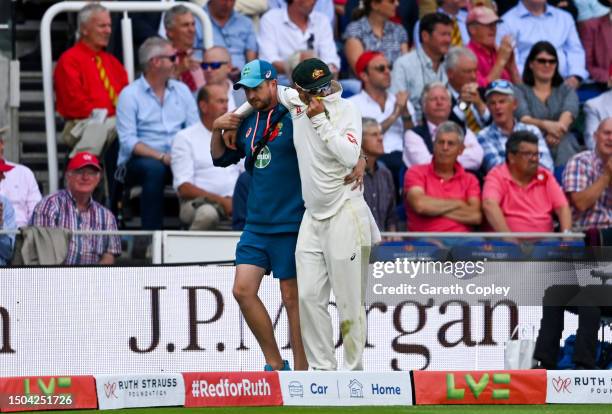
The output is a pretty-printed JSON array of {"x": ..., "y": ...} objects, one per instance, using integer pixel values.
[
  {"x": 150, "y": 112},
  {"x": 533, "y": 20},
  {"x": 274, "y": 208},
  {"x": 231, "y": 30}
]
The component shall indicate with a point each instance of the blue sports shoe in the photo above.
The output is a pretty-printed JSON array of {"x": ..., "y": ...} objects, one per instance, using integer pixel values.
[{"x": 285, "y": 367}]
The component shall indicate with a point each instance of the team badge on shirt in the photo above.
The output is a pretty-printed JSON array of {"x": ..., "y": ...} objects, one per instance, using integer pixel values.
[
  {"x": 263, "y": 158},
  {"x": 351, "y": 138},
  {"x": 276, "y": 132}
]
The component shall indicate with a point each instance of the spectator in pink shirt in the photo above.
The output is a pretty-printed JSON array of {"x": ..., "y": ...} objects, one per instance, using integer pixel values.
[
  {"x": 521, "y": 196},
  {"x": 493, "y": 62},
  {"x": 441, "y": 195}
]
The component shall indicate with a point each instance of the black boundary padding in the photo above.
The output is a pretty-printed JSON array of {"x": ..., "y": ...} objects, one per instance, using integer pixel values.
[{"x": 412, "y": 387}]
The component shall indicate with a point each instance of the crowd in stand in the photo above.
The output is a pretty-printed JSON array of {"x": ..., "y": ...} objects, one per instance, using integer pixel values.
[{"x": 470, "y": 121}]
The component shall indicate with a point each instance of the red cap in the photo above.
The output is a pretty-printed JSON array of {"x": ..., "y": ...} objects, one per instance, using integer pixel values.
[
  {"x": 83, "y": 159},
  {"x": 364, "y": 59},
  {"x": 4, "y": 167}
]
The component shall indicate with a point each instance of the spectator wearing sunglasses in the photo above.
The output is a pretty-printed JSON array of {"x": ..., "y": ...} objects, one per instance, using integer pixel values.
[
  {"x": 180, "y": 30},
  {"x": 547, "y": 103},
  {"x": 393, "y": 112},
  {"x": 150, "y": 112},
  {"x": 502, "y": 103},
  {"x": 217, "y": 68},
  {"x": 531, "y": 21}
]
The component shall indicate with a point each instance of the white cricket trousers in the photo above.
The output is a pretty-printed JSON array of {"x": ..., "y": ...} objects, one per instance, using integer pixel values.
[{"x": 334, "y": 253}]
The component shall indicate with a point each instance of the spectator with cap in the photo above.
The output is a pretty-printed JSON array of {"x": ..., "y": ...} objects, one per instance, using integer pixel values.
[
  {"x": 378, "y": 186},
  {"x": 595, "y": 111},
  {"x": 393, "y": 112},
  {"x": 468, "y": 107},
  {"x": 205, "y": 191},
  {"x": 441, "y": 196},
  {"x": 150, "y": 112},
  {"x": 179, "y": 23},
  {"x": 217, "y": 67},
  {"x": 521, "y": 196},
  {"x": 87, "y": 83},
  {"x": 455, "y": 10},
  {"x": 587, "y": 179},
  {"x": 494, "y": 61},
  {"x": 502, "y": 103},
  {"x": 419, "y": 141},
  {"x": 19, "y": 186},
  {"x": 74, "y": 209},
  {"x": 372, "y": 29},
  {"x": 531, "y": 21},
  {"x": 286, "y": 30},
  {"x": 425, "y": 64},
  {"x": 7, "y": 219}
]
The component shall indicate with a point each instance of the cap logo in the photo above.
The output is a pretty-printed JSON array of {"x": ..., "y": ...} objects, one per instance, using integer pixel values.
[
  {"x": 246, "y": 70},
  {"x": 317, "y": 73},
  {"x": 87, "y": 157},
  {"x": 268, "y": 74}
]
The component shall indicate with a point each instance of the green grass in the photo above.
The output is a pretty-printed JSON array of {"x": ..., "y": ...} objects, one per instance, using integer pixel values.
[{"x": 432, "y": 409}]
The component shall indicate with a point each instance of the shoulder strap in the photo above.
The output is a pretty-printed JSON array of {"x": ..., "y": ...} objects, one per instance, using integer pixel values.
[{"x": 250, "y": 162}]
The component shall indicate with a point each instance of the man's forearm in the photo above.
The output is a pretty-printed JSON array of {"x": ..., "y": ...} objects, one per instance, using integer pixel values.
[
  {"x": 217, "y": 146},
  {"x": 143, "y": 150},
  {"x": 466, "y": 214},
  {"x": 188, "y": 191},
  {"x": 431, "y": 206},
  {"x": 586, "y": 199},
  {"x": 495, "y": 216}
]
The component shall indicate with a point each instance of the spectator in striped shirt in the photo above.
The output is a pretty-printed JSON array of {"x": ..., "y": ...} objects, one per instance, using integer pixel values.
[
  {"x": 74, "y": 209},
  {"x": 586, "y": 180}
]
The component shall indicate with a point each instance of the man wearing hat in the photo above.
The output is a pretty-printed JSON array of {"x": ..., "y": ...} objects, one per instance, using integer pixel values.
[
  {"x": 74, "y": 209},
  {"x": 338, "y": 229},
  {"x": 274, "y": 207},
  {"x": 393, "y": 112},
  {"x": 7, "y": 219},
  {"x": 19, "y": 186},
  {"x": 493, "y": 62},
  {"x": 502, "y": 104}
]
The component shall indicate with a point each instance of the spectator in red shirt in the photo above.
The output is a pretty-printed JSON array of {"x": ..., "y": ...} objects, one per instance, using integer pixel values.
[
  {"x": 88, "y": 81},
  {"x": 521, "y": 196},
  {"x": 441, "y": 195},
  {"x": 494, "y": 62}
]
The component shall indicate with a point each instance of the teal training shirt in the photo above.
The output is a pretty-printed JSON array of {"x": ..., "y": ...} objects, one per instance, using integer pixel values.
[{"x": 275, "y": 202}]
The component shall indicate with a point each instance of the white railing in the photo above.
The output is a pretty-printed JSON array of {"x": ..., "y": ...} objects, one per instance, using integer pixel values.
[{"x": 128, "y": 57}]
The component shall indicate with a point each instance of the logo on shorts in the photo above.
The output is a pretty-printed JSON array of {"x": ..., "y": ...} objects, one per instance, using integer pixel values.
[{"x": 263, "y": 158}]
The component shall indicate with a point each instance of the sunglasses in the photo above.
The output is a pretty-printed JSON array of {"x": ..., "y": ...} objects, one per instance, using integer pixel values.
[
  {"x": 544, "y": 61},
  {"x": 212, "y": 65},
  {"x": 382, "y": 68},
  {"x": 171, "y": 58},
  {"x": 316, "y": 91}
]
